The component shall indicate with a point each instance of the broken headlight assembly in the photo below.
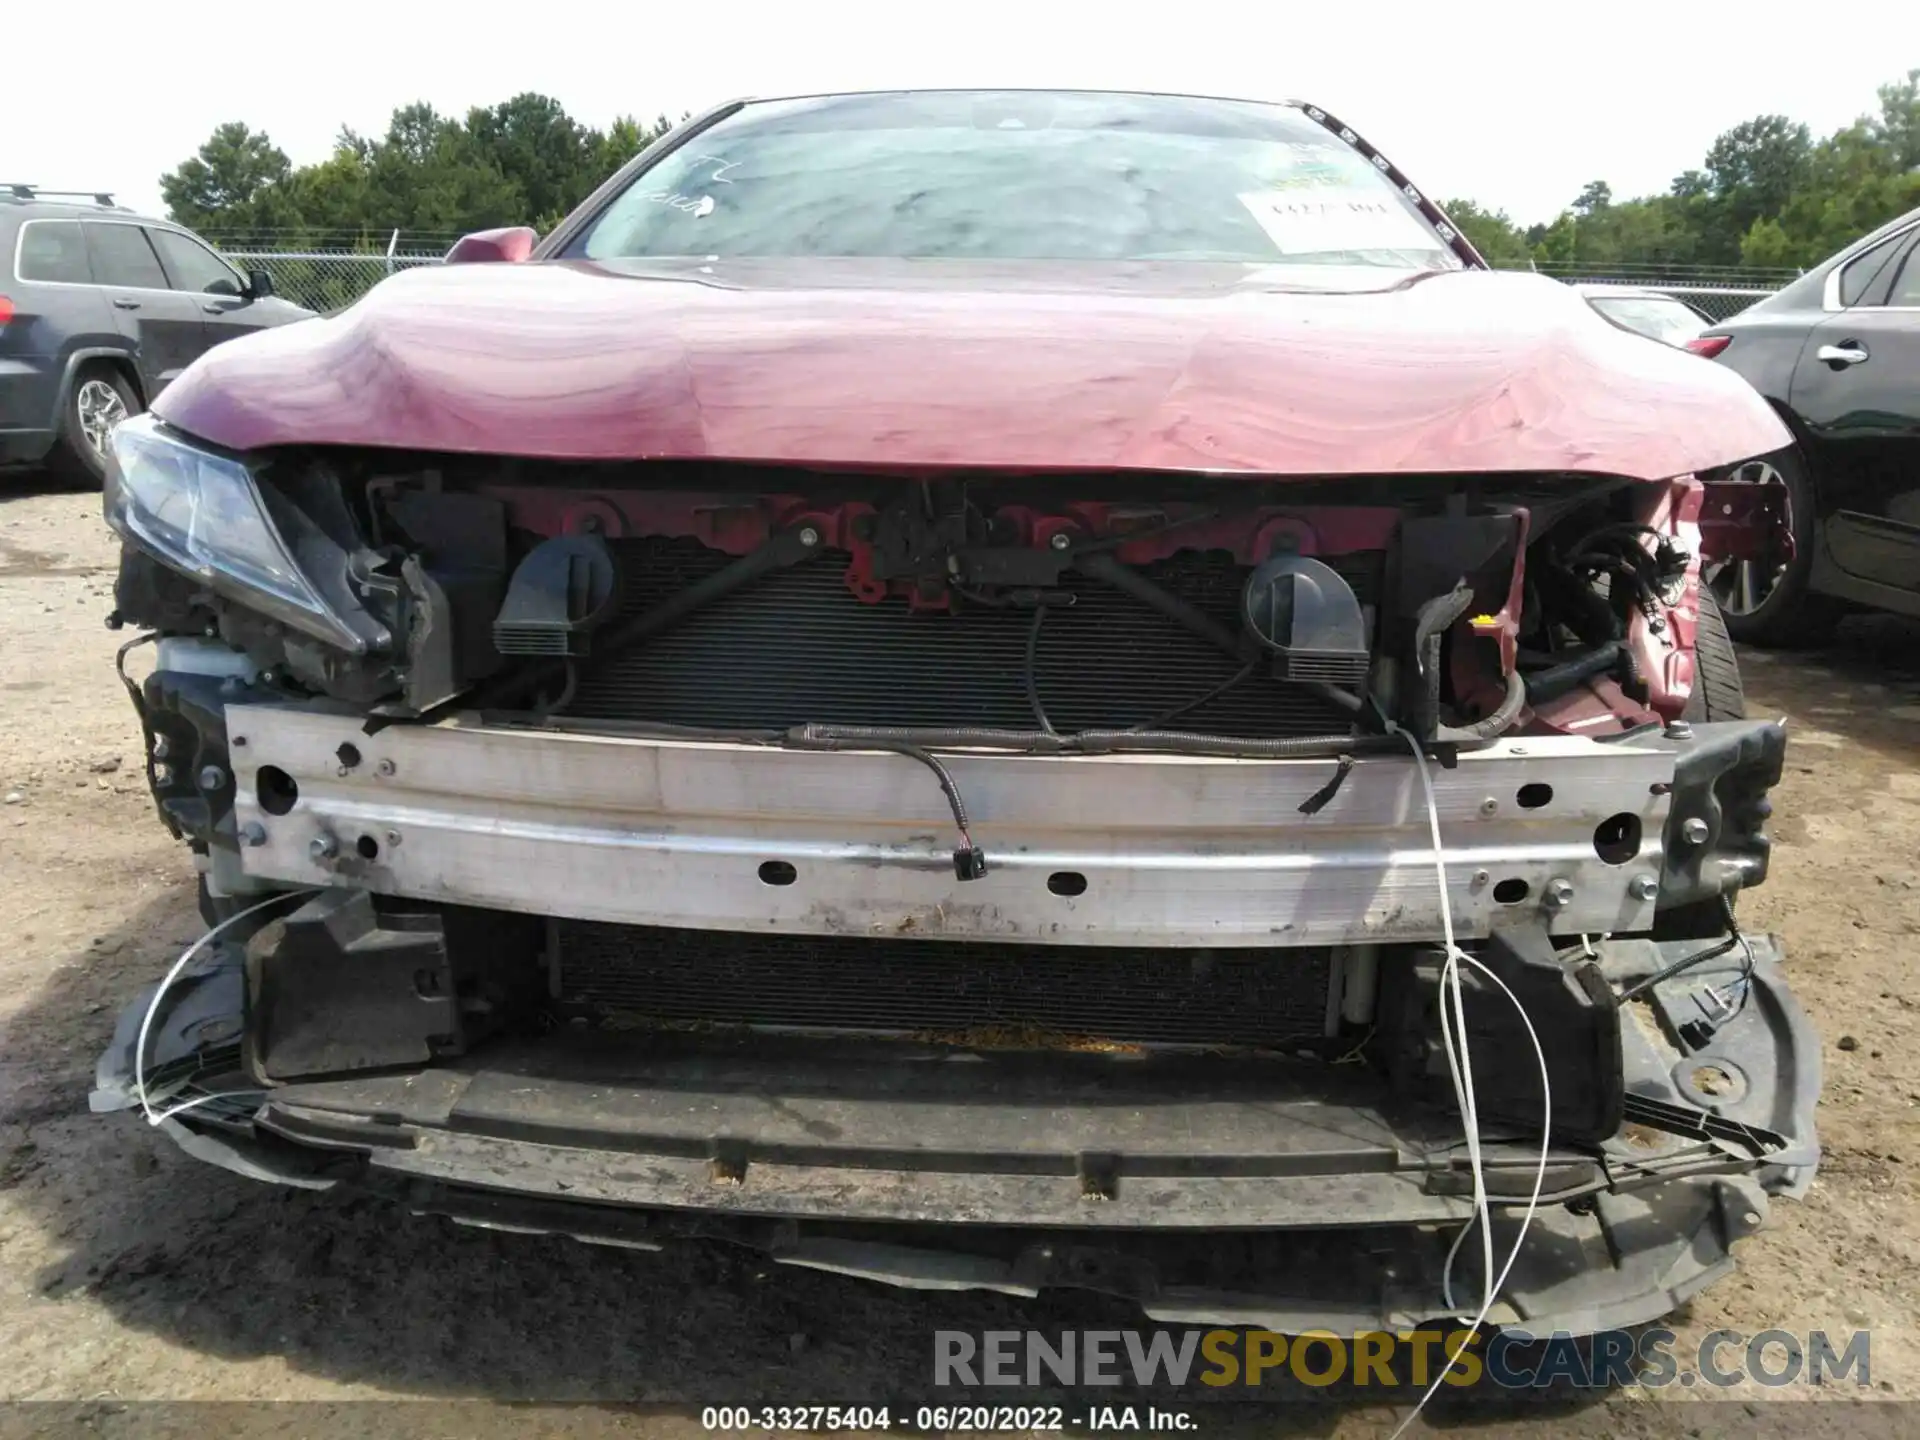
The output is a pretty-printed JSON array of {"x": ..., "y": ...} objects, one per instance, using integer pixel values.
[{"x": 203, "y": 513}]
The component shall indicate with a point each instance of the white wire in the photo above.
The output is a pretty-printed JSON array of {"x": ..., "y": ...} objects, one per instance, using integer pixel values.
[
  {"x": 1540, "y": 1169},
  {"x": 1460, "y": 1068},
  {"x": 153, "y": 1008}
]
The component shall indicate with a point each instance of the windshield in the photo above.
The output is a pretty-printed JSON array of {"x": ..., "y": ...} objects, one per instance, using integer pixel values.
[
  {"x": 1018, "y": 176},
  {"x": 1653, "y": 316}
]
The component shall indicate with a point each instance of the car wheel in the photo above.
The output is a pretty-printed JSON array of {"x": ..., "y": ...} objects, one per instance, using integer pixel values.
[
  {"x": 1766, "y": 601},
  {"x": 100, "y": 399},
  {"x": 1717, "y": 692}
]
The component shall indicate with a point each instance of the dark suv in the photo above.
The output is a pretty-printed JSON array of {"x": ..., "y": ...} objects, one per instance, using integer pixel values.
[{"x": 99, "y": 309}]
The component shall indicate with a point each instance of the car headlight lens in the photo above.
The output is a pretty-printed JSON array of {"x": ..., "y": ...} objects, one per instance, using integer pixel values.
[{"x": 202, "y": 513}]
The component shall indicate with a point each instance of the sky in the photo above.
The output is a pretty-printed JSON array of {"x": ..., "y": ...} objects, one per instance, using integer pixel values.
[{"x": 1514, "y": 105}]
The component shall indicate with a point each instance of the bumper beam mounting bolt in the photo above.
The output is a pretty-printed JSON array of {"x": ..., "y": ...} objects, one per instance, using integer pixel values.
[
  {"x": 1695, "y": 831},
  {"x": 323, "y": 849},
  {"x": 1558, "y": 894},
  {"x": 1643, "y": 887}
]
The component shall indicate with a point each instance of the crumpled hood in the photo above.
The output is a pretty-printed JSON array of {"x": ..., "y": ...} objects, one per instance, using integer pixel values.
[{"x": 1302, "y": 371}]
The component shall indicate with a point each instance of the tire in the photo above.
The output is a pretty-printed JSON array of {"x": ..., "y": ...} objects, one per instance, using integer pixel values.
[
  {"x": 1717, "y": 695},
  {"x": 1790, "y": 613},
  {"x": 1717, "y": 692},
  {"x": 99, "y": 397}
]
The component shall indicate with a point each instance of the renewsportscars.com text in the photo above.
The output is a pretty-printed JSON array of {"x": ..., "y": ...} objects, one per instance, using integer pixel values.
[{"x": 1387, "y": 1359}]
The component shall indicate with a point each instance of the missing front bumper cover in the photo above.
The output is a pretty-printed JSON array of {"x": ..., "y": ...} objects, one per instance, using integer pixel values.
[
  {"x": 955, "y": 1166},
  {"x": 965, "y": 1159}
]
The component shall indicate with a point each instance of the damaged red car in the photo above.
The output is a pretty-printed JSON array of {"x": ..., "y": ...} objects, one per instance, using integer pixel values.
[{"x": 987, "y": 689}]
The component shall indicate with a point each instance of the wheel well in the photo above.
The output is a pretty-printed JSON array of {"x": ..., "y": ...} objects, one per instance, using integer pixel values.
[
  {"x": 120, "y": 365},
  {"x": 1801, "y": 451}
]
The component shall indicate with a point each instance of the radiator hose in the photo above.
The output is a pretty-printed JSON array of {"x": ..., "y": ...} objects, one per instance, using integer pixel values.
[
  {"x": 1553, "y": 681},
  {"x": 1490, "y": 727}
]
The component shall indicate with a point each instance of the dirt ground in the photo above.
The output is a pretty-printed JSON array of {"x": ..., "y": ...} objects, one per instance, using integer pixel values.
[{"x": 129, "y": 1272}]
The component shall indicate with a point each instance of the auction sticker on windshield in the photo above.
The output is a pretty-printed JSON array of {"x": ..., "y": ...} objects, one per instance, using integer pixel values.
[{"x": 1318, "y": 221}]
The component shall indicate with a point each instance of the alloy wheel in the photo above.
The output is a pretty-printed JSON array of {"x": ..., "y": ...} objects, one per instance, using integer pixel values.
[
  {"x": 1742, "y": 586},
  {"x": 100, "y": 408}
]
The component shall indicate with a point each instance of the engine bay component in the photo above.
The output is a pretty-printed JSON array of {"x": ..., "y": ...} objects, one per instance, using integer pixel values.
[
  {"x": 350, "y": 982},
  {"x": 347, "y": 989},
  {"x": 1133, "y": 996},
  {"x": 1303, "y": 612},
  {"x": 1716, "y": 842},
  {"x": 792, "y": 547},
  {"x": 1571, "y": 1009},
  {"x": 560, "y": 593},
  {"x": 801, "y": 646}
]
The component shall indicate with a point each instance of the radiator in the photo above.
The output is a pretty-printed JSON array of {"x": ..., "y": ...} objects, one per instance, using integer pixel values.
[{"x": 798, "y": 646}]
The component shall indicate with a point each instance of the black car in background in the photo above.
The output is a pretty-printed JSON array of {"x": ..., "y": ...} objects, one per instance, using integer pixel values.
[
  {"x": 99, "y": 309},
  {"x": 1792, "y": 542}
]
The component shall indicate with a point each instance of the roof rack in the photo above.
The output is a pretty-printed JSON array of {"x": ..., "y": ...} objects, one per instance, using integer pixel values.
[{"x": 33, "y": 192}]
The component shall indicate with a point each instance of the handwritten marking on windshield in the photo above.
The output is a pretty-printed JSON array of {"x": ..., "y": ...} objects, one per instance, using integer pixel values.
[
  {"x": 720, "y": 168},
  {"x": 698, "y": 208}
]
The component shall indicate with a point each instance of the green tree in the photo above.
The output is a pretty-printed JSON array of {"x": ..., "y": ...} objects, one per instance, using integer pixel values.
[
  {"x": 227, "y": 181},
  {"x": 1597, "y": 195},
  {"x": 1856, "y": 181},
  {"x": 626, "y": 138},
  {"x": 1753, "y": 171},
  {"x": 1898, "y": 127},
  {"x": 1491, "y": 232},
  {"x": 523, "y": 161},
  {"x": 431, "y": 173},
  {"x": 1767, "y": 244},
  {"x": 549, "y": 159}
]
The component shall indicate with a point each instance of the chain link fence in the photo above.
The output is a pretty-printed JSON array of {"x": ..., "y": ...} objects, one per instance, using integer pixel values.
[
  {"x": 1718, "y": 291},
  {"x": 326, "y": 280},
  {"x": 1716, "y": 302}
]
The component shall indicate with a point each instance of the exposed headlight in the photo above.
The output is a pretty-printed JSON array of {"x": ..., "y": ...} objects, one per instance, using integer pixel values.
[{"x": 202, "y": 513}]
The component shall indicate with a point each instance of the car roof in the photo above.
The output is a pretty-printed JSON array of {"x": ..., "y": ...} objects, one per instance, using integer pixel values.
[
  {"x": 1294, "y": 104},
  {"x": 12, "y": 208},
  {"x": 1809, "y": 290}
]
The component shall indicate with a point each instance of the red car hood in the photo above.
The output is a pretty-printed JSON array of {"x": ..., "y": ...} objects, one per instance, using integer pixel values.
[{"x": 1279, "y": 371}]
